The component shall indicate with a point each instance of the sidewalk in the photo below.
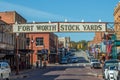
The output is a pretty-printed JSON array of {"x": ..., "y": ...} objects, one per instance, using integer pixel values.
[
  {"x": 25, "y": 73},
  {"x": 22, "y": 74}
]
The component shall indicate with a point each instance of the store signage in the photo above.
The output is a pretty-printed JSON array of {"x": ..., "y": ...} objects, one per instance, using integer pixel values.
[
  {"x": 43, "y": 27},
  {"x": 59, "y": 27}
]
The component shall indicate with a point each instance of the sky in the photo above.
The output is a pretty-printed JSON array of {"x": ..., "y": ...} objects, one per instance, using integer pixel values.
[{"x": 59, "y": 10}]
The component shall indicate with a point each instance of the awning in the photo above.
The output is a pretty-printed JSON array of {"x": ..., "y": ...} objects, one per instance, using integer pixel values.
[
  {"x": 2, "y": 55},
  {"x": 25, "y": 51},
  {"x": 4, "y": 52},
  {"x": 53, "y": 53},
  {"x": 43, "y": 51}
]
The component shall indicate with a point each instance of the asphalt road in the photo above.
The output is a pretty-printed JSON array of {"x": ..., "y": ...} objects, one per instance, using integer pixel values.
[{"x": 72, "y": 71}]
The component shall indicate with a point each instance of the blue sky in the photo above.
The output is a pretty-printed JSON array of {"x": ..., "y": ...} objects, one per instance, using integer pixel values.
[{"x": 59, "y": 10}]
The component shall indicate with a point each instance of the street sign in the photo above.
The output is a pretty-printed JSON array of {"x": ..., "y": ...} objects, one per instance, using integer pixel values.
[
  {"x": 60, "y": 27},
  {"x": 82, "y": 27},
  {"x": 42, "y": 27}
]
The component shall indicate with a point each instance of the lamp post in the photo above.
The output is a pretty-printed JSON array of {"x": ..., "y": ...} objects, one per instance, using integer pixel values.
[
  {"x": 17, "y": 55},
  {"x": 32, "y": 41}
]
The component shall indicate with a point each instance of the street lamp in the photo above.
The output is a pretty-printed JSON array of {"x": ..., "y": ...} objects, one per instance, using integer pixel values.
[
  {"x": 82, "y": 20},
  {"x": 49, "y": 22},
  {"x": 32, "y": 41},
  {"x": 99, "y": 20},
  {"x": 17, "y": 55},
  {"x": 66, "y": 20}
]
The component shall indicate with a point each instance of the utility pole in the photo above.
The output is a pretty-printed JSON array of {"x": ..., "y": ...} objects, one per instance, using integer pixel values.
[{"x": 17, "y": 57}]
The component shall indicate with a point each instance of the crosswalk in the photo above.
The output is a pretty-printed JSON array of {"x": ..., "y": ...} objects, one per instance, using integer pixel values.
[{"x": 76, "y": 64}]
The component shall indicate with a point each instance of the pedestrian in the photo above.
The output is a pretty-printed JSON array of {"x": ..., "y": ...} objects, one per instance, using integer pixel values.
[
  {"x": 44, "y": 64},
  {"x": 40, "y": 62},
  {"x": 37, "y": 64}
]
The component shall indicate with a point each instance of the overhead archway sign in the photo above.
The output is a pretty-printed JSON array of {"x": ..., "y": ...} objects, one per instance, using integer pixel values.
[{"x": 60, "y": 27}]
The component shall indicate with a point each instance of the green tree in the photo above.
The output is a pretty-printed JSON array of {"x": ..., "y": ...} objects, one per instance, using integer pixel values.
[{"x": 82, "y": 43}]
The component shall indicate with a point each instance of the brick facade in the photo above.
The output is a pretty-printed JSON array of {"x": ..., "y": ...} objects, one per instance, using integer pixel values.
[
  {"x": 50, "y": 41},
  {"x": 10, "y": 17}
]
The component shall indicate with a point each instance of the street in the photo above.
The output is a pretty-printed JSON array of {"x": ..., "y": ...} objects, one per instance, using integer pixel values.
[
  {"x": 59, "y": 40},
  {"x": 72, "y": 71}
]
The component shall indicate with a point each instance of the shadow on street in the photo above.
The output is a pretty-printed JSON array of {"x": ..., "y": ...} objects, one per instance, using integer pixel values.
[{"x": 50, "y": 73}]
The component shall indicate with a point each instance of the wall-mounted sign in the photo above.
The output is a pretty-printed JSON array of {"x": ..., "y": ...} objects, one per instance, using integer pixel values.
[
  {"x": 43, "y": 27},
  {"x": 59, "y": 27},
  {"x": 82, "y": 27}
]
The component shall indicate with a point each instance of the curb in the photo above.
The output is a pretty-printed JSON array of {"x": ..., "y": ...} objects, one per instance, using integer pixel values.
[
  {"x": 22, "y": 74},
  {"x": 99, "y": 76},
  {"x": 19, "y": 76}
]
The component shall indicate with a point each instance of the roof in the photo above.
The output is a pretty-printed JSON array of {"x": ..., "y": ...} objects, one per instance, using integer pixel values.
[{"x": 2, "y": 22}]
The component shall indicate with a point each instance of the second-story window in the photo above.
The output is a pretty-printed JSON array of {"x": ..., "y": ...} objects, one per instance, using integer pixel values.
[
  {"x": 39, "y": 41},
  {"x": 28, "y": 41}
]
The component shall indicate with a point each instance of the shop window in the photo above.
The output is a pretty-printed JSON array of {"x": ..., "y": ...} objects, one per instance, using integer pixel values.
[{"x": 39, "y": 41}]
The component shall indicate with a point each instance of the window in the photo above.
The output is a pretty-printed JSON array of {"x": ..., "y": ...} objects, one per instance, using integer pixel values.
[
  {"x": 28, "y": 41},
  {"x": 39, "y": 41},
  {"x": 39, "y": 52}
]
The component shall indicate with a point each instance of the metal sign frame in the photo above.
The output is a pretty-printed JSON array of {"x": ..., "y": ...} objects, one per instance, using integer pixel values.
[{"x": 60, "y": 27}]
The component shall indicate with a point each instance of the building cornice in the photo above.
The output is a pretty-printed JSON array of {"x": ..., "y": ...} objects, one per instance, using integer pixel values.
[{"x": 117, "y": 8}]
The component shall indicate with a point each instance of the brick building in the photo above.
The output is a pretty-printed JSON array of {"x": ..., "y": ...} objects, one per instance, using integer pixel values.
[
  {"x": 64, "y": 42},
  {"x": 98, "y": 38},
  {"x": 40, "y": 41},
  {"x": 10, "y": 18},
  {"x": 34, "y": 41},
  {"x": 6, "y": 42}
]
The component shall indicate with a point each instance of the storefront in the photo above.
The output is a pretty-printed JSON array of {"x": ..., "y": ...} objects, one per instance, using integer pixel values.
[{"x": 24, "y": 58}]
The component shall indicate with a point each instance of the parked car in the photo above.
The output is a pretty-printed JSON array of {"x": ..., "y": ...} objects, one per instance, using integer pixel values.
[
  {"x": 117, "y": 73},
  {"x": 95, "y": 63},
  {"x": 73, "y": 59},
  {"x": 111, "y": 73},
  {"x": 5, "y": 70},
  {"x": 64, "y": 60},
  {"x": 90, "y": 56},
  {"x": 108, "y": 64}
]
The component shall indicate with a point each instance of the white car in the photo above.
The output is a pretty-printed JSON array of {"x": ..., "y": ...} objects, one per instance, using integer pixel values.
[
  {"x": 107, "y": 65},
  {"x": 111, "y": 73},
  {"x": 111, "y": 70},
  {"x": 5, "y": 70},
  {"x": 94, "y": 63}
]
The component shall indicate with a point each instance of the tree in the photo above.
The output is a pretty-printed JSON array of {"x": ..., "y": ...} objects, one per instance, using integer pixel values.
[{"x": 79, "y": 45}]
